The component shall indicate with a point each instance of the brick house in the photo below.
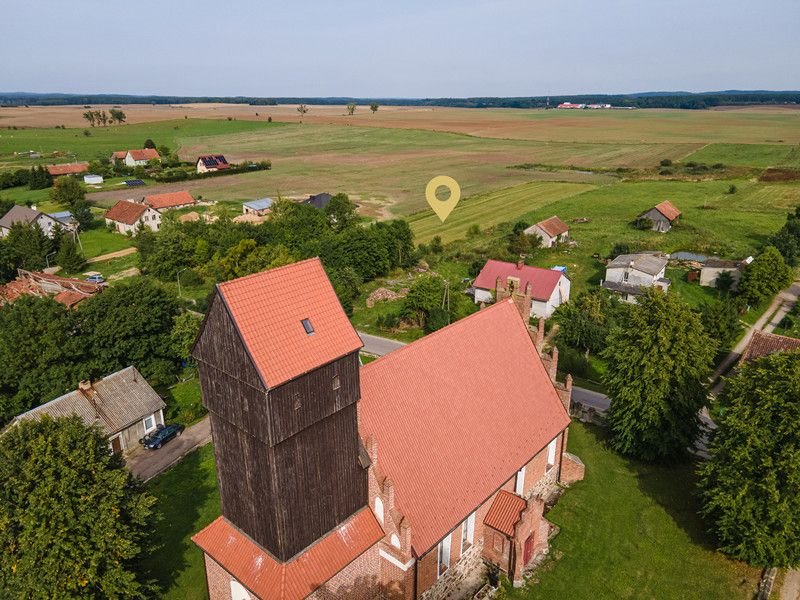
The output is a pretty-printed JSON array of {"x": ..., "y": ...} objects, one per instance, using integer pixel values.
[
  {"x": 548, "y": 288},
  {"x": 390, "y": 480}
]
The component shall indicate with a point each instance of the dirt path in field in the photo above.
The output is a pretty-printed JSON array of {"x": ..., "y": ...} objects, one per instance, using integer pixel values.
[{"x": 111, "y": 255}]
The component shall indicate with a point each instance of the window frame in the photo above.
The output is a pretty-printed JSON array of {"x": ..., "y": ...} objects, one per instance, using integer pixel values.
[
  {"x": 443, "y": 551},
  {"x": 155, "y": 423}
]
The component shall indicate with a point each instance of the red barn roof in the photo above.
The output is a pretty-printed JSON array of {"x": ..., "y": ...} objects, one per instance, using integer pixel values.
[
  {"x": 144, "y": 154},
  {"x": 169, "y": 200},
  {"x": 668, "y": 209},
  {"x": 553, "y": 226},
  {"x": 505, "y": 512},
  {"x": 270, "y": 579},
  {"x": 479, "y": 380},
  {"x": 119, "y": 154},
  {"x": 126, "y": 212},
  {"x": 270, "y": 308},
  {"x": 543, "y": 281},
  {"x": 68, "y": 169},
  {"x": 763, "y": 343}
]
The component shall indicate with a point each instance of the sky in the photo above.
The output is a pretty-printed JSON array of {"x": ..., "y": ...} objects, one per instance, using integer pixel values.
[{"x": 407, "y": 49}]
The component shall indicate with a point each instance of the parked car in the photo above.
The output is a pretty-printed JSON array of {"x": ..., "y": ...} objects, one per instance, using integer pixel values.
[
  {"x": 96, "y": 279},
  {"x": 147, "y": 436},
  {"x": 161, "y": 436}
]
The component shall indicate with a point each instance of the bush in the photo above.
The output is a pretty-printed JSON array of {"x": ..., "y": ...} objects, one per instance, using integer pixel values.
[
  {"x": 732, "y": 189},
  {"x": 666, "y": 163},
  {"x": 666, "y": 172}
]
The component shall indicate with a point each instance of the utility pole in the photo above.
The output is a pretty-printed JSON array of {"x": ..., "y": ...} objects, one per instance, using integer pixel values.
[
  {"x": 178, "y": 277},
  {"x": 446, "y": 299}
]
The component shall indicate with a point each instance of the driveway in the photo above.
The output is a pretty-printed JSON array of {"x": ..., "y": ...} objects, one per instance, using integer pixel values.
[
  {"x": 146, "y": 464},
  {"x": 378, "y": 345}
]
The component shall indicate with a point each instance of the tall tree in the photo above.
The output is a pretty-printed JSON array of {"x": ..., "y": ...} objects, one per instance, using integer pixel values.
[
  {"x": 351, "y": 108},
  {"x": 68, "y": 256},
  {"x": 148, "y": 143},
  {"x": 39, "y": 357},
  {"x": 183, "y": 335},
  {"x": 341, "y": 212},
  {"x": 764, "y": 277},
  {"x": 787, "y": 240},
  {"x": 67, "y": 191},
  {"x": 39, "y": 178},
  {"x": 374, "y": 107},
  {"x": 90, "y": 117},
  {"x": 29, "y": 246},
  {"x": 130, "y": 324},
  {"x": 585, "y": 322},
  {"x": 750, "y": 486},
  {"x": 302, "y": 109},
  {"x": 75, "y": 521},
  {"x": 659, "y": 359},
  {"x": 721, "y": 322},
  {"x": 117, "y": 115}
]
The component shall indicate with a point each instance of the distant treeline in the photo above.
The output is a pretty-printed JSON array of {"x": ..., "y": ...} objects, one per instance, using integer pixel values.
[{"x": 643, "y": 100}]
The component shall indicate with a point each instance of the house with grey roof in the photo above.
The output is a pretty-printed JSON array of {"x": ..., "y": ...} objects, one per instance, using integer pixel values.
[
  {"x": 122, "y": 404},
  {"x": 27, "y": 216},
  {"x": 629, "y": 275},
  {"x": 260, "y": 207},
  {"x": 714, "y": 267},
  {"x": 319, "y": 201}
]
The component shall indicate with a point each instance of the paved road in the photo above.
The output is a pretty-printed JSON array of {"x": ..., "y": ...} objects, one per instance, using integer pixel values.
[
  {"x": 378, "y": 345},
  {"x": 791, "y": 586},
  {"x": 146, "y": 464}
]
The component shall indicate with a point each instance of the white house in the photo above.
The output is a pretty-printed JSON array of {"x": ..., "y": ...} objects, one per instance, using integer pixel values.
[
  {"x": 126, "y": 215},
  {"x": 629, "y": 274},
  {"x": 211, "y": 162},
  {"x": 714, "y": 267},
  {"x": 259, "y": 207},
  {"x": 549, "y": 288},
  {"x": 551, "y": 231},
  {"x": 140, "y": 158},
  {"x": 25, "y": 215}
]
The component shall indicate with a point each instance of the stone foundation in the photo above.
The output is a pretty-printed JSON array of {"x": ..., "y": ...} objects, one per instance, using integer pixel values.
[
  {"x": 455, "y": 583},
  {"x": 572, "y": 469}
]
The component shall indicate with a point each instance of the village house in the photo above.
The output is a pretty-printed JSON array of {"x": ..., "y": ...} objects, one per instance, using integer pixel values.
[
  {"x": 260, "y": 208},
  {"x": 123, "y": 404},
  {"x": 714, "y": 267},
  {"x": 630, "y": 274},
  {"x": 662, "y": 215},
  {"x": 551, "y": 231},
  {"x": 764, "y": 344},
  {"x": 498, "y": 279},
  {"x": 169, "y": 200},
  {"x": 319, "y": 201},
  {"x": 137, "y": 157},
  {"x": 49, "y": 224},
  {"x": 211, "y": 162},
  {"x": 68, "y": 169},
  {"x": 403, "y": 504},
  {"x": 64, "y": 290},
  {"x": 126, "y": 216}
]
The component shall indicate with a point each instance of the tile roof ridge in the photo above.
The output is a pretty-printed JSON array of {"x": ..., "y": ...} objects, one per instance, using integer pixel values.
[
  {"x": 417, "y": 343},
  {"x": 228, "y": 283}
]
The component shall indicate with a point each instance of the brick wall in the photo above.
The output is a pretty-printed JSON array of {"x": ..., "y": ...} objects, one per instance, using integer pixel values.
[
  {"x": 218, "y": 579},
  {"x": 572, "y": 469},
  {"x": 358, "y": 581}
]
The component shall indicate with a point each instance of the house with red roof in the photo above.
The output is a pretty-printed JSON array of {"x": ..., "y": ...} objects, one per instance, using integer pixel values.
[
  {"x": 169, "y": 200},
  {"x": 547, "y": 288},
  {"x": 764, "y": 343},
  {"x": 137, "y": 157},
  {"x": 211, "y": 162},
  {"x": 385, "y": 481},
  {"x": 551, "y": 231},
  {"x": 663, "y": 216},
  {"x": 68, "y": 169},
  {"x": 126, "y": 216}
]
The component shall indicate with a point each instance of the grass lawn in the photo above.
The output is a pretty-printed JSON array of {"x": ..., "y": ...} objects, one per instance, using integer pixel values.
[
  {"x": 748, "y": 155},
  {"x": 188, "y": 500},
  {"x": 631, "y": 530},
  {"x": 694, "y": 294},
  {"x": 99, "y": 240},
  {"x": 184, "y": 402}
]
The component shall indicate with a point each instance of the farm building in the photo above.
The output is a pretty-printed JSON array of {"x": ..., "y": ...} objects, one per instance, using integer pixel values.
[
  {"x": 714, "y": 267},
  {"x": 291, "y": 411},
  {"x": 64, "y": 290},
  {"x": 763, "y": 344},
  {"x": 123, "y": 404},
  {"x": 68, "y": 169},
  {"x": 662, "y": 215},
  {"x": 92, "y": 179},
  {"x": 49, "y": 224},
  {"x": 319, "y": 201},
  {"x": 259, "y": 207},
  {"x": 547, "y": 288},
  {"x": 551, "y": 231},
  {"x": 169, "y": 200},
  {"x": 629, "y": 274},
  {"x": 211, "y": 162},
  {"x": 571, "y": 105},
  {"x": 126, "y": 216}
]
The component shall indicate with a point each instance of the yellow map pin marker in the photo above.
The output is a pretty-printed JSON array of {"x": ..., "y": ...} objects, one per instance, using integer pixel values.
[{"x": 442, "y": 208}]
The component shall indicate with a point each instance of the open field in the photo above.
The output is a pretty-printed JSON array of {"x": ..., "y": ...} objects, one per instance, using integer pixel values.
[
  {"x": 748, "y": 155},
  {"x": 747, "y": 125},
  {"x": 631, "y": 530}
]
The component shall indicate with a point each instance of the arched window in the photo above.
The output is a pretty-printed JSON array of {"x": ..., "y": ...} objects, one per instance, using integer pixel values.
[
  {"x": 379, "y": 509},
  {"x": 395, "y": 540},
  {"x": 238, "y": 591}
]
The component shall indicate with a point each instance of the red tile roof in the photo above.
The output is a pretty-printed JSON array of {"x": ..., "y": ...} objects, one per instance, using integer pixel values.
[
  {"x": 126, "y": 212},
  {"x": 553, "y": 226},
  {"x": 505, "y": 512},
  {"x": 543, "y": 281},
  {"x": 169, "y": 200},
  {"x": 68, "y": 292},
  {"x": 270, "y": 579},
  {"x": 269, "y": 308},
  {"x": 668, "y": 209},
  {"x": 144, "y": 154},
  {"x": 763, "y": 343},
  {"x": 457, "y": 414},
  {"x": 119, "y": 154},
  {"x": 68, "y": 169}
]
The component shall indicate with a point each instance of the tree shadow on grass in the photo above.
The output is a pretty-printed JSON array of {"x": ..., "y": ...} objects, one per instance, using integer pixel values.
[{"x": 188, "y": 500}]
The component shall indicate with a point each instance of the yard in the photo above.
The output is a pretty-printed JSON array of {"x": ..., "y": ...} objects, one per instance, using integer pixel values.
[{"x": 631, "y": 530}]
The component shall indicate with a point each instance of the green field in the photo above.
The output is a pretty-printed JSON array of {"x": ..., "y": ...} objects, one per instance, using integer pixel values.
[
  {"x": 631, "y": 530},
  {"x": 748, "y": 155}
]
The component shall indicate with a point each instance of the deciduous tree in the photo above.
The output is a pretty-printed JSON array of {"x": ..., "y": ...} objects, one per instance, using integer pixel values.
[
  {"x": 750, "y": 485},
  {"x": 374, "y": 107},
  {"x": 341, "y": 212},
  {"x": 585, "y": 322},
  {"x": 351, "y": 108},
  {"x": 764, "y": 277},
  {"x": 75, "y": 521},
  {"x": 659, "y": 359},
  {"x": 183, "y": 335},
  {"x": 117, "y": 115}
]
